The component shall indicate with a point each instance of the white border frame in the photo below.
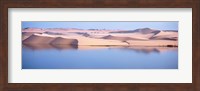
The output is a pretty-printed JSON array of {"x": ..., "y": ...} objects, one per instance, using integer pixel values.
[{"x": 182, "y": 75}]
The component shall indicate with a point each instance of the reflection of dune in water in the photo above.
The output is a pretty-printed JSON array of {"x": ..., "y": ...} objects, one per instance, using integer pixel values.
[
  {"x": 127, "y": 48},
  {"x": 131, "y": 48},
  {"x": 61, "y": 47},
  {"x": 150, "y": 49},
  {"x": 49, "y": 46}
]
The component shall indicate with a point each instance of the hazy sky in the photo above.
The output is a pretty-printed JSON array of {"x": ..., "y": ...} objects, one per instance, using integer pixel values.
[{"x": 168, "y": 25}]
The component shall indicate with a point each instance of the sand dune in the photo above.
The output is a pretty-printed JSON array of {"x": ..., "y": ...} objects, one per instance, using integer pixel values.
[
  {"x": 60, "y": 40},
  {"x": 93, "y": 41},
  {"x": 35, "y": 39},
  {"x": 41, "y": 39},
  {"x": 138, "y": 37},
  {"x": 166, "y": 36},
  {"x": 119, "y": 38},
  {"x": 27, "y": 34},
  {"x": 141, "y": 30},
  {"x": 134, "y": 36}
]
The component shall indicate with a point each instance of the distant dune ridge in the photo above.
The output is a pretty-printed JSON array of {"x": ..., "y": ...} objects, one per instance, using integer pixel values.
[
  {"x": 119, "y": 38},
  {"x": 138, "y": 37}
]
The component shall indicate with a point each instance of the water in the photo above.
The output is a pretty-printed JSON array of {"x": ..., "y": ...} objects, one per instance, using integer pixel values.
[{"x": 98, "y": 57}]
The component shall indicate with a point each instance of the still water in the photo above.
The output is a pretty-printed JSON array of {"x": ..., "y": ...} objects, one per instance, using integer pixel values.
[{"x": 98, "y": 57}]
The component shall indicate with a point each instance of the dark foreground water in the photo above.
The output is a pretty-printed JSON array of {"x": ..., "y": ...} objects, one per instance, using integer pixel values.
[{"x": 101, "y": 57}]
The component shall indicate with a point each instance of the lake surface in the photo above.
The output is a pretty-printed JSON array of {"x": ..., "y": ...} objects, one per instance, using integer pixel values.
[{"x": 98, "y": 57}]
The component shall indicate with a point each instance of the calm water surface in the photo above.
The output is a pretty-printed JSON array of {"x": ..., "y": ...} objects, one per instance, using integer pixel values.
[{"x": 101, "y": 57}]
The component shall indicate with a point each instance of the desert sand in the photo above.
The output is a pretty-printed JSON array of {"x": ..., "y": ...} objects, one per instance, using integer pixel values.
[{"x": 93, "y": 37}]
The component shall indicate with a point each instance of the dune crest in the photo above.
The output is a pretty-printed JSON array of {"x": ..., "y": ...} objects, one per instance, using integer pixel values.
[{"x": 37, "y": 39}]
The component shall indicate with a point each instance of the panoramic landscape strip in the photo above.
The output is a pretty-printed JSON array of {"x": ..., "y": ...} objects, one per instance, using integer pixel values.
[{"x": 99, "y": 45}]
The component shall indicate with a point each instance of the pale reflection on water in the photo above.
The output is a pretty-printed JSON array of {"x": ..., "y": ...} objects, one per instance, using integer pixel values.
[{"x": 98, "y": 57}]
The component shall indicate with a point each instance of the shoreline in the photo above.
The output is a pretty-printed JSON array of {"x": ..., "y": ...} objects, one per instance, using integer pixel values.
[{"x": 103, "y": 45}]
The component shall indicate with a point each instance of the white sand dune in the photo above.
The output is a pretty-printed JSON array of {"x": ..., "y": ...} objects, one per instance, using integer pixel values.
[
  {"x": 35, "y": 39},
  {"x": 60, "y": 40},
  {"x": 92, "y": 41},
  {"x": 42, "y": 39},
  {"x": 138, "y": 37},
  {"x": 26, "y": 35},
  {"x": 166, "y": 36}
]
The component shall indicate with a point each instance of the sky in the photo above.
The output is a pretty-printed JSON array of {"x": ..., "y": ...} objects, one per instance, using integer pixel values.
[{"x": 114, "y": 25}]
